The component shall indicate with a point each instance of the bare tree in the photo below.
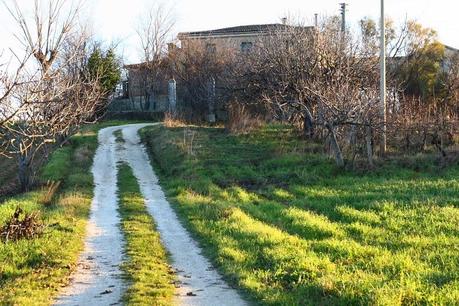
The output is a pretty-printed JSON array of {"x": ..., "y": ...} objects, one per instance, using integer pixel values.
[
  {"x": 202, "y": 74},
  {"x": 319, "y": 77},
  {"x": 450, "y": 82},
  {"x": 51, "y": 94},
  {"x": 327, "y": 82},
  {"x": 153, "y": 31}
]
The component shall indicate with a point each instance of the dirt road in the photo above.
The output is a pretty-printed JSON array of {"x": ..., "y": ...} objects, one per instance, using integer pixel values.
[{"x": 97, "y": 279}]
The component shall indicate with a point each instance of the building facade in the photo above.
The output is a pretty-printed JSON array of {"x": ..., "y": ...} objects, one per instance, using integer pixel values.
[
  {"x": 240, "y": 39},
  {"x": 146, "y": 92}
]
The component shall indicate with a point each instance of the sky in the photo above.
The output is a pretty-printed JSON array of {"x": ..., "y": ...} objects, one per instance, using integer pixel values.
[{"x": 116, "y": 20}]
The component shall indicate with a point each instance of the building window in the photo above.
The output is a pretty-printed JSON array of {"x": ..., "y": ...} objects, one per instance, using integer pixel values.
[
  {"x": 211, "y": 48},
  {"x": 246, "y": 46}
]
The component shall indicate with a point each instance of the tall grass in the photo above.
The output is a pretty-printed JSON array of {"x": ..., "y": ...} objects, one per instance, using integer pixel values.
[{"x": 48, "y": 192}]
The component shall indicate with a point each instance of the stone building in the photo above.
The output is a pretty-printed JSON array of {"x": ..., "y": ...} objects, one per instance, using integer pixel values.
[
  {"x": 234, "y": 39},
  {"x": 145, "y": 88},
  {"x": 451, "y": 55},
  {"x": 143, "y": 92}
]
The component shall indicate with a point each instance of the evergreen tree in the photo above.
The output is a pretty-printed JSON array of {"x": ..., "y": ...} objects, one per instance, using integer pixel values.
[{"x": 105, "y": 65}]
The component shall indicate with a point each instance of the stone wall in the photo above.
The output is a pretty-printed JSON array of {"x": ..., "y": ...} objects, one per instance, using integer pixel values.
[
  {"x": 224, "y": 44},
  {"x": 159, "y": 103}
]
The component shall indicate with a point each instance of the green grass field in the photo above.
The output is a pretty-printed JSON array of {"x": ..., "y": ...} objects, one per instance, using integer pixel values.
[{"x": 287, "y": 227}]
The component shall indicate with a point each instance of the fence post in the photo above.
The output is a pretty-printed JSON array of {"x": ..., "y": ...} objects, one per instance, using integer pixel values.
[
  {"x": 172, "y": 90},
  {"x": 211, "y": 100}
]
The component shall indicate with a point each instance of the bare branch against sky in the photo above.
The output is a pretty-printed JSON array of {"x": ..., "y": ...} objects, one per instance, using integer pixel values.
[{"x": 117, "y": 19}]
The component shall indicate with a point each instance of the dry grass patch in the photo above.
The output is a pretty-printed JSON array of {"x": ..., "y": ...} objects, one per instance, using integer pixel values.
[
  {"x": 240, "y": 120},
  {"x": 48, "y": 192}
]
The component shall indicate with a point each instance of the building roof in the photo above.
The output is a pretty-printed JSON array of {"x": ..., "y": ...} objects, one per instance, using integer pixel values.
[
  {"x": 135, "y": 66},
  {"x": 239, "y": 30},
  {"x": 451, "y": 49},
  {"x": 164, "y": 64}
]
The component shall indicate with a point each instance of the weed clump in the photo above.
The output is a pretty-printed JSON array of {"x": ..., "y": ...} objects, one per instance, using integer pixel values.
[
  {"x": 22, "y": 225},
  {"x": 240, "y": 120},
  {"x": 48, "y": 192},
  {"x": 83, "y": 155},
  {"x": 174, "y": 120}
]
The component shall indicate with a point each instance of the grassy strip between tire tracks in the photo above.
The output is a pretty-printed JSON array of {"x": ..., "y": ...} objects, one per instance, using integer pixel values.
[{"x": 150, "y": 276}]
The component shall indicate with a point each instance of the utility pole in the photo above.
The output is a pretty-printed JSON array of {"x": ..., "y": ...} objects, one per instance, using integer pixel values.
[
  {"x": 343, "y": 16},
  {"x": 383, "y": 81},
  {"x": 316, "y": 20}
]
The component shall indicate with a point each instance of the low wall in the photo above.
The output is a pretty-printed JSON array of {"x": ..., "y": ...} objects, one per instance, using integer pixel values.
[
  {"x": 159, "y": 103},
  {"x": 134, "y": 115}
]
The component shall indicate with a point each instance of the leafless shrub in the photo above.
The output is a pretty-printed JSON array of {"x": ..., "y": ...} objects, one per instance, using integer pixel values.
[
  {"x": 22, "y": 225},
  {"x": 240, "y": 120},
  {"x": 202, "y": 77},
  {"x": 10, "y": 187},
  {"x": 327, "y": 82},
  {"x": 417, "y": 127},
  {"x": 318, "y": 77}
]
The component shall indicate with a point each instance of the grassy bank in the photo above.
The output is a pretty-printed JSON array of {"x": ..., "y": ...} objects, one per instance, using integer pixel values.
[
  {"x": 288, "y": 228},
  {"x": 32, "y": 271},
  {"x": 150, "y": 276}
]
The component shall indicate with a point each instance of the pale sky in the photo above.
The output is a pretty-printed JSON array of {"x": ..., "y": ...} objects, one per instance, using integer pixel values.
[{"x": 115, "y": 20}]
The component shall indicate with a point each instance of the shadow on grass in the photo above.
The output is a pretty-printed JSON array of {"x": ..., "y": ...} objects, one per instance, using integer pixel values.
[{"x": 316, "y": 234}]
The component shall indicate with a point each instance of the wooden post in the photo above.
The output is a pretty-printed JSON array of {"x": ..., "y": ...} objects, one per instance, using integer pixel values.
[{"x": 211, "y": 100}]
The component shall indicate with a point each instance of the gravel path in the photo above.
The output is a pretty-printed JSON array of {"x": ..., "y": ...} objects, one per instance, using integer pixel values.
[
  {"x": 97, "y": 280},
  {"x": 199, "y": 283}
]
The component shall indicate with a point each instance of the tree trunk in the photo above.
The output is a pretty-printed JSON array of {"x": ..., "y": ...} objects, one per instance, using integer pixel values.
[
  {"x": 424, "y": 140},
  {"x": 146, "y": 103},
  {"x": 369, "y": 144},
  {"x": 352, "y": 140},
  {"x": 152, "y": 106},
  {"x": 24, "y": 173},
  {"x": 308, "y": 125},
  {"x": 211, "y": 93},
  {"x": 335, "y": 146}
]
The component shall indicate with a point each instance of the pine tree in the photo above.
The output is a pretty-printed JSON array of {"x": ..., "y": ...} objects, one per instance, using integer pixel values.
[{"x": 105, "y": 66}]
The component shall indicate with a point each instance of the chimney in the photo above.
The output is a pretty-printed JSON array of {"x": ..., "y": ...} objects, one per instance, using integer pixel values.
[{"x": 284, "y": 20}]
